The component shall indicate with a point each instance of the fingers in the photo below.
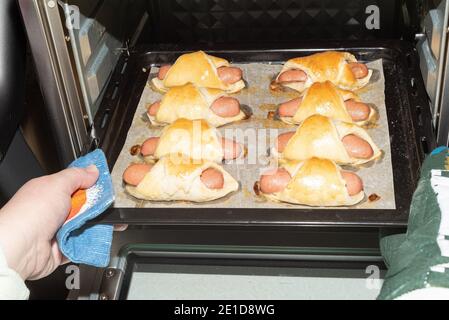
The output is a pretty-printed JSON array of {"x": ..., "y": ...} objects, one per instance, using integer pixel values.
[
  {"x": 283, "y": 140},
  {"x": 65, "y": 261},
  {"x": 231, "y": 149},
  {"x": 274, "y": 180},
  {"x": 120, "y": 227},
  {"x": 353, "y": 182},
  {"x": 154, "y": 108},
  {"x": 358, "y": 111},
  {"x": 212, "y": 178},
  {"x": 357, "y": 147},
  {"x": 135, "y": 173},
  {"x": 359, "y": 70},
  {"x": 149, "y": 147},
  {"x": 293, "y": 75},
  {"x": 73, "y": 179},
  {"x": 289, "y": 108},
  {"x": 230, "y": 75},
  {"x": 226, "y": 107},
  {"x": 163, "y": 70}
]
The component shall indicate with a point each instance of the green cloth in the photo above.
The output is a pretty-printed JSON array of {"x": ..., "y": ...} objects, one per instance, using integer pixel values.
[{"x": 411, "y": 258}]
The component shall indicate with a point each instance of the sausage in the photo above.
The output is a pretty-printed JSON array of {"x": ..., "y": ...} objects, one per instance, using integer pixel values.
[
  {"x": 277, "y": 180},
  {"x": 148, "y": 148},
  {"x": 135, "y": 173},
  {"x": 353, "y": 182},
  {"x": 289, "y": 108},
  {"x": 359, "y": 70},
  {"x": 354, "y": 145},
  {"x": 212, "y": 178},
  {"x": 293, "y": 75},
  {"x": 163, "y": 70},
  {"x": 274, "y": 180},
  {"x": 154, "y": 108},
  {"x": 357, "y": 147},
  {"x": 230, "y": 75},
  {"x": 358, "y": 111},
  {"x": 226, "y": 107},
  {"x": 231, "y": 149},
  {"x": 283, "y": 140}
]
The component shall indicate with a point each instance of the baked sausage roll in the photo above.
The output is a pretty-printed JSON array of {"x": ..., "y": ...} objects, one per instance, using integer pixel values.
[
  {"x": 175, "y": 178},
  {"x": 330, "y": 65},
  {"x": 318, "y": 136},
  {"x": 314, "y": 182},
  {"x": 192, "y": 103},
  {"x": 200, "y": 69},
  {"x": 326, "y": 99},
  {"x": 195, "y": 139}
]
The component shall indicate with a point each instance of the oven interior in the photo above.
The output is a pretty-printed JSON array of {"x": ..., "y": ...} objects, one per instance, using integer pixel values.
[
  {"x": 101, "y": 52},
  {"x": 106, "y": 30}
]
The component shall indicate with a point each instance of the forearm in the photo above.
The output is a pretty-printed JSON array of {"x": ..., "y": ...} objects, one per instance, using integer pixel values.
[
  {"x": 12, "y": 286},
  {"x": 13, "y": 244}
]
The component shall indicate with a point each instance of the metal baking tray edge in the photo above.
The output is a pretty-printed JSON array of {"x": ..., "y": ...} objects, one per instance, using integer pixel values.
[{"x": 408, "y": 110}]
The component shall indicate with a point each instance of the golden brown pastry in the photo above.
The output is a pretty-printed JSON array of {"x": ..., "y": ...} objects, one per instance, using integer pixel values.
[
  {"x": 192, "y": 103},
  {"x": 313, "y": 182},
  {"x": 175, "y": 177},
  {"x": 326, "y": 99},
  {"x": 200, "y": 69},
  {"x": 195, "y": 139},
  {"x": 321, "y": 137},
  {"x": 319, "y": 67}
]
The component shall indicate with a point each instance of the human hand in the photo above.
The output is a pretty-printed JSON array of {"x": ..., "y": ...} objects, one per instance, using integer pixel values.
[{"x": 29, "y": 222}]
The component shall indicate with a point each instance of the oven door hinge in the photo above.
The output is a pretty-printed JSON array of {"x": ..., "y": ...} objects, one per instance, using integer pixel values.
[
  {"x": 93, "y": 143},
  {"x": 125, "y": 49}
]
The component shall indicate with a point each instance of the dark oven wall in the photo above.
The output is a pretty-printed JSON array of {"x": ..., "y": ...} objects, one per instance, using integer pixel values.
[{"x": 237, "y": 21}]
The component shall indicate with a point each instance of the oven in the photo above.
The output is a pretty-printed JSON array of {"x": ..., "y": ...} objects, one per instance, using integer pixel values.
[{"x": 93, "y": 59}]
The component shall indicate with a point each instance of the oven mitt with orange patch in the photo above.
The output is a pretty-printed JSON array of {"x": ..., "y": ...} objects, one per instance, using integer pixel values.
[
  {"x": 418, "y": 261},
  {"x": 91, "y": 244}
]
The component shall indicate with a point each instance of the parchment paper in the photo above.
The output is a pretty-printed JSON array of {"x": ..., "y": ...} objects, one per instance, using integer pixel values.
[{"x": 377, "y": 177}]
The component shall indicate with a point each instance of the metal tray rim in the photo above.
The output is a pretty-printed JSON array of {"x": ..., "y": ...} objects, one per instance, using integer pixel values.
[{"x": 406, "y": 61}]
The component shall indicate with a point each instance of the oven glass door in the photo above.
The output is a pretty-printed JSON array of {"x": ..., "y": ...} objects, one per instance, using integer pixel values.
[
  {"x": 155, "y": 281},
  {"x": 199, "y": 272}
]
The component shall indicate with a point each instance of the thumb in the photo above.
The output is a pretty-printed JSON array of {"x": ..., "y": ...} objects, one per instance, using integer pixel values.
[{"x": 73, "y": 179}]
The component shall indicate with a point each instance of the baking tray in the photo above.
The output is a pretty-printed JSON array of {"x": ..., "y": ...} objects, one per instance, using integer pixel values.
[
  {"x": 407, "y": 109},
  {"x": 260, "y": 99}
]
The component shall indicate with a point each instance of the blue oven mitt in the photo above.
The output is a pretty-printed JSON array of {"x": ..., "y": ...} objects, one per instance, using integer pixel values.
[{"x": 89, "y": 245}]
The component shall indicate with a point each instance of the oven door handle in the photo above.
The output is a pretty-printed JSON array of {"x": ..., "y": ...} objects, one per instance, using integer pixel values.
[{"x": 12, "y": 72}]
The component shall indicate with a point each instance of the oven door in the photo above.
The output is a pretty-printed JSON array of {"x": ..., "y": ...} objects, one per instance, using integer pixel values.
[
  {"x": 76, "y": 45},
  {"x": 224, "y": 264}
]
